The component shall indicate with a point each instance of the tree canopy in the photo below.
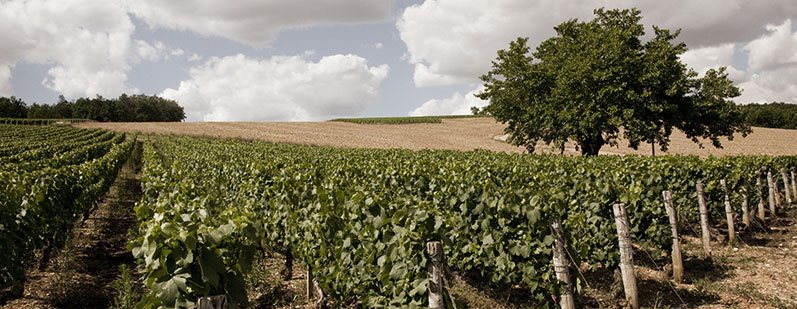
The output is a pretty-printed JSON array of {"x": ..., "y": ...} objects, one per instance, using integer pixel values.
[
  {"x": 12, "y": 108},
  {"x": 134, "y": 108},
  {"x": 596, "y": 80},
  {"x": 772, "y": 115}
]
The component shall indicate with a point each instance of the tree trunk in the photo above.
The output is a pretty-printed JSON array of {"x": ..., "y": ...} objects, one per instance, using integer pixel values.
[{"x": 590, "y": 146}]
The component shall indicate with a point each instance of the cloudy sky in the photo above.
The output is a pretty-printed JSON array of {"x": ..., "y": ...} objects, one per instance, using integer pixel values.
[{"x": 269, "y": 60}]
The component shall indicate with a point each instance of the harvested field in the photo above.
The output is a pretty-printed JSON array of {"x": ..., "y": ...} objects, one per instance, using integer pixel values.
[{"x": 457, "y": 134}]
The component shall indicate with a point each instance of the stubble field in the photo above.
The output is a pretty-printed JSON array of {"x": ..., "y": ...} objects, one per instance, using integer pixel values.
[{"x": 456, "y": 134}]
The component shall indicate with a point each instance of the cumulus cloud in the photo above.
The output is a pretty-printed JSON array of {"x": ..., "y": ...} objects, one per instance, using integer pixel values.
[
  {"x": 255, "y": 22},
  {"x": 89, "y": 47},
  {"x": 773, "y": 65},
  {"x": 452, "y": 42},
  {"x": 279, "y": 88},
  {"x": 775, "y": 49},
  {"x": 457, "y": 104},
  {"x": 156, "y": 51},
  {"x": 86, "y": 41},
  {"x": 778, "y": 85},
  {"x": 705, "y": 58}
]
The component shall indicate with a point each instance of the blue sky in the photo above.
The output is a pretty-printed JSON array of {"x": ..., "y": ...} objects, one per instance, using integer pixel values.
[{"x": 315, "y": 60}]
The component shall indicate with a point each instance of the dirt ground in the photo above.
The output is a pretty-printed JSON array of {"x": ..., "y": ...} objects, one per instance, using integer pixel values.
[
  {"x": 81, "y": 274},
  {"x": 457, "y": 134}
]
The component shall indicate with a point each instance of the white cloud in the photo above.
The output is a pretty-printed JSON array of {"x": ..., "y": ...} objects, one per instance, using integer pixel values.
[
  {"x": 87, "y": 42},
  {"x": 775, "y": 49},
  {"x": 279, "y": 88},
  {"x": 773, "y": 63},
  {"x": 457, "y": 104},
  {"x": 453, "y": 42},
  {"x": 195, "y": 57},
  {"x": 379, "y": 45},
  {"x": 156, "y": 51},
  {"x": 705, "y": 58},
  {"x": 255, "y": 22},
  {"x": 779, "y": 85}
]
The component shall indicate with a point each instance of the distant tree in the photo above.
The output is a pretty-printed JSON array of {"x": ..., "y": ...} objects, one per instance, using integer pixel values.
[
  {"x": 596, "y": 79},
  {"x": 773, "y": 115},
  {"x": 41, "y": 111},
  {"x": 126, "y": 108},
  {"x": 12, "y": 107},
  {"x": 62, "y": 109}
]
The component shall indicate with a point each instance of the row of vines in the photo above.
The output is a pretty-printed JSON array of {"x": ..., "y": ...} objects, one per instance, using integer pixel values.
[
  {"x": 360, "y": 218},
  {"x": 50, "y": 176}
]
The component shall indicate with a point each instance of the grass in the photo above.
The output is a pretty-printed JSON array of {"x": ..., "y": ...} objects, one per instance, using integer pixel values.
[
  {"x": 402, "y": 120},
  {"x": 126, "y": 290}
]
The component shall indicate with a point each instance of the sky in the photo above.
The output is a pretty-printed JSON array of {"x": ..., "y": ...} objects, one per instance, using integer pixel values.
[{"x": 311, "y": 60}]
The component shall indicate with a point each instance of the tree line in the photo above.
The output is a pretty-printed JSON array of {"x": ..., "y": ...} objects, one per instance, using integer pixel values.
[
  {"x": 773, "y": 115},
  {"x": 126, "y": 108}
]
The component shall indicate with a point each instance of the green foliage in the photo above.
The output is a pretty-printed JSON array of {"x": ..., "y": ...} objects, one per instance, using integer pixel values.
[
  {"x": 360, "y": 217},
  {"x": 49, "y": 177},
  {"x": 135, "y": 108},
  {"x": 772, "y": 115},
  {"x": 39, "y": 121},
  {"x": 126, "y": 292},
  {"x": 404, "y": 120},
  {"x": 391, "y": 120},
  {"x": 595, "y": 80},
  {"x": 12, "y": 108}
]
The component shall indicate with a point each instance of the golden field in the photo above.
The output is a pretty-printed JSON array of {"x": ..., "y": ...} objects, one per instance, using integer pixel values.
[{"x": 457, "y": 134}]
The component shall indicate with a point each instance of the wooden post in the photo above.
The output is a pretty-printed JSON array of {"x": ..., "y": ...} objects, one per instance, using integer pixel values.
[
  {"x": 434, "y": 268},
  {"x": 626, "y": 255},
  {"x": 677, "y": 263},
  {"x": 308, "y": 286},
  {"x": 793, "y": 187},
  {"x": 760, "y": 188},
  {"x": 728, "y": 212},
  {"x": 745, "y": 208},
  {"x": 778, "y": 201},
  {"x": 771, "y": 184},
  {"x": 212, "y": 302},
  {"x": 560, "y": 266},
  {"x": 701, "y": 201},
  {"x": 786, "y": 187}
]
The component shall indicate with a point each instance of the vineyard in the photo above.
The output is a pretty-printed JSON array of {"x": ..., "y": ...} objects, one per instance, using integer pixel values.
[
  {"x": 359, "y": 219},
  {"x": 50, "y": 177}
]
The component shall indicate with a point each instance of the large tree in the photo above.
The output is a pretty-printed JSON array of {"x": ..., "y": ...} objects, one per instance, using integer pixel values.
[
  {"x": 12, "y": 108},
  {"x": 596, "y": 80}
]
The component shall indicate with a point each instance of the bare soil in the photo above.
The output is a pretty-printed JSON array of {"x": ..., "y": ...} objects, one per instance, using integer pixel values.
[
  {"x": 456, "y": 134},
  {"x": 80, "y": 275}
]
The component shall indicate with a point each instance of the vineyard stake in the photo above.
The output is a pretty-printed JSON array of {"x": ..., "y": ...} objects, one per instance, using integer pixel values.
[
  {"x": 771, "y": 185},
  {"x": 434, "y": 268},
  {"x": 560, "y": 266},
  {"x": 212, "y": 302},
  {"x": 701, "y": 201},
  {"x": 626, "y": 255},
  {"x": 308, "y": 286},
  {"x": 677, "y": 263},
  {"x": 778, "y": 200},
  {"x": 745, "y": 206},
  {"x": 786, "y": 187},
  {"x": 760, "y": 190},
  {"x": 728, "y": 212},
  {"x": 793, "y": 186}
]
